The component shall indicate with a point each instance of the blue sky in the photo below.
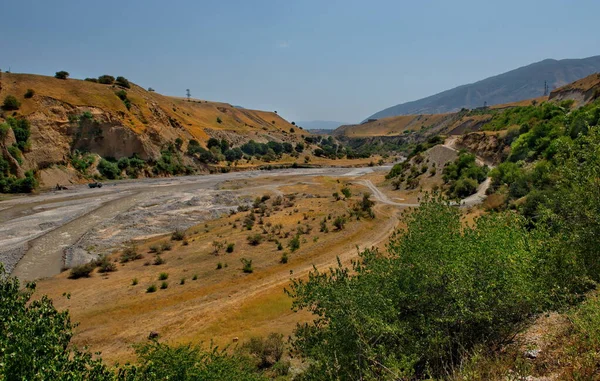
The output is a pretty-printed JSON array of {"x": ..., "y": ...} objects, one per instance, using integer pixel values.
[{"x": 330, "y": 60}]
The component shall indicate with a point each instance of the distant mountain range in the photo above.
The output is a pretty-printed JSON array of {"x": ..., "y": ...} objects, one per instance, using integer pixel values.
[
  {"x": 320, "y": 125},
  {"x": 523, "y": 83}
]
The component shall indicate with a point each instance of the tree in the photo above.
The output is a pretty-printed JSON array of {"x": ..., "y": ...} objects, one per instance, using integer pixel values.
[
  {"x": 11, "y": 103},
  {"x": 106, "y": 79},
  {"x": 61, "y": 74},
  {"x": 411, "y": 313},
  {"x": 122, "y": 81},
  {"x": 35, "y": 337}
]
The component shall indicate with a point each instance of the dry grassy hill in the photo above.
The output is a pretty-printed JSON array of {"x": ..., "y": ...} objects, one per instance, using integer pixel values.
[{"x": 151, "y": 120}]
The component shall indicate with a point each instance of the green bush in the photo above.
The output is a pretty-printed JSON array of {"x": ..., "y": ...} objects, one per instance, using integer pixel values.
[
  {"x": 247, "y": 265},
  {"x": 105, "y": 265},
  {"x": 294, "y": 243},
  {"x": 95, "y": 80},
  {"x": 123, "y": 82},
  {"x": 82, "y": 271},
  {"x": 29, "y": 93},
  {"x": 255, "y": 239},
  {"x": 35, "y": 340},
  {"x": 61, "y": 74},
  {"x": 230, "y": 247},
  {"x": 178, "y": 235},
  {"x": 11, "y": 103},
  {"x": 106, "y": 79},
  {"x": 441, "y": 289},
  {"x": 22, "y": 130},
  {"x": 164, "y": 285},
  {"x": 163, "y": 276},
  {"x": 109, "y": 169},
  {"x": 151, "y": 288}
]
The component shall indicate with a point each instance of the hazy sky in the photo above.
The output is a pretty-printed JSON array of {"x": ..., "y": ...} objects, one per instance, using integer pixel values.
[{"x": 332, "y": 60}]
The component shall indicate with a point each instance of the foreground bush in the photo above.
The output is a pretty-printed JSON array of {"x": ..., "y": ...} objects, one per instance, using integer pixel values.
[
  {"x": 35, "y": 337},
  {"x": 440, "y": 290}
]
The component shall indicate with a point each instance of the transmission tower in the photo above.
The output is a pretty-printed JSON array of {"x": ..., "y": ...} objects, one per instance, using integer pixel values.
[
  {"x": 545, "y": 88},
  {"x": 187, "y": 92}
]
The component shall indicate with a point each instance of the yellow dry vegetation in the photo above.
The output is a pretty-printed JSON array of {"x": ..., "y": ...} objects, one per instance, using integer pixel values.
[{"x": 222, "y": 303}]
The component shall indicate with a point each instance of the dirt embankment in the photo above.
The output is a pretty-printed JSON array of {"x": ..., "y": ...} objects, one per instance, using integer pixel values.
[{"x": 491, "y": 147}]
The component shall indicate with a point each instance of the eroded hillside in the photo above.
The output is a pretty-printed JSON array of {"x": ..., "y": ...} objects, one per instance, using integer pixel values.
[{"x": 115, "y": 122}]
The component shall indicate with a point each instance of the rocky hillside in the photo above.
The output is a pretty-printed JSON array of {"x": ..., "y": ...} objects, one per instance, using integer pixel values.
[
  {"x": 113, "y": 121},
  {"x": 513, "y": 86}
]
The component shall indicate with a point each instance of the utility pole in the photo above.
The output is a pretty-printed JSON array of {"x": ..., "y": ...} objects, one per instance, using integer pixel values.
[
  {"x": 545, "y": 88},
  {"x": 187, "y": 92}
]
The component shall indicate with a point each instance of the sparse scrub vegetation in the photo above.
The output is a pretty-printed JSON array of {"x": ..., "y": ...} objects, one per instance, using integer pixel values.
[
  {"x": 82, "y": 271},
  {"x": 247, "y": 265}
]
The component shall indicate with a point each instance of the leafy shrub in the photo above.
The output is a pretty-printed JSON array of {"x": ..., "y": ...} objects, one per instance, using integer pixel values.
[
  {"x": 134, "y": 281},
  {"x": 109, "y": 169},
  {"x": 230, "y": 247},
  {"x": 106, "y": 79},
  {"x": 247, "y": 265},
  {"x": 123, "y": 82},
  {"x": 163, "y": 276},
  {"x": 151, "y": 288},
  {"x": 255, "y": 239},
  {"x": 178, "y": 235},
  {"x": 346, "y": 192},
  {"x": 267, "y": 351},
  {"x": 195, "y": 277},
  {"x": 159, "y": 261},
  {"x": 105, "y": 265},
  {"x": 11, "y": 103},
  {"x": 340, "y": 222},
  {"x": 417, "y": 309},
  {"x": 82, "y": 271},
  {"x": 164, "y": 285},
  {"x": 219, "y": 266},
  {"x": 284, "y": 258},
  {"x": 182, "y": 281},
  {"x": 294, "y": 243},
  {"x": 15, "y": 152},
  {"x": 95, "y": 80},
  {"x": 29, "y": 93},
  {"x": 61, "y": 74},
  {"x": 166, "y": 246},
  {"x": 130, "y": 254},
  {"x": 35, "y": 340}
]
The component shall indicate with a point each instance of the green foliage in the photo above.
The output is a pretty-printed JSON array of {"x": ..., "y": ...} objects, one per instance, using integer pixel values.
[
  {"x": 122, "y": 94},
  {"x": 82, "y": 271},
  {"x": 95, "y": 80},
  {"x": 22, "y": 130},
  {"x": 151, "y": 289},
  {"x": 170, "y": 163},
  {"x": 255, "y": 239},
  {"x": 35, "y": 339},
  {"x": 29, "y": 93},
  {"x": 178, "y": 235},
  {"x": 266, "y": 351},
  {"x": 346, "y": 192},
  {"x": 163, "y": 276},
  {"x": 106, "y": 79},
  {"x": 11, "y": 103},
  {"x": 105, "y": 265},
  {"x": 159, "y": 361},
  {"x": 108, "y": 169},
  {"x": 164, "y": 285},
  {"x": 440, "y": 290},
  {"x": 61, "y": 74},
  {"x": 81, "y": 162},
  {"x": 247, "y": 265},
  {"x": 123, "y": 82},
  {"x": 230, "y": 247},
  {"x": 15, "y": 152},
  {"x": 463, "y": 175},
  {"x": 340, "y": 222},
  {"x": 294, "y": 243}
]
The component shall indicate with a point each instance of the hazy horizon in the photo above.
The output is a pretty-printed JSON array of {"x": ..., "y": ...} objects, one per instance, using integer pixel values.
[{"x": 340, "y": 60}]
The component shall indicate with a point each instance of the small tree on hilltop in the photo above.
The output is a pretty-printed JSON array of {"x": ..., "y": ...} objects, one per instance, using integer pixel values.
[
  {"x": 61, "y": 74},
  {"x": 123, "y": 82}
]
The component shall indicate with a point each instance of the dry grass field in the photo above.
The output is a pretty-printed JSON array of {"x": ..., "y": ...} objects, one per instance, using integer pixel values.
[{"x": 202, "y": 302}]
